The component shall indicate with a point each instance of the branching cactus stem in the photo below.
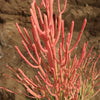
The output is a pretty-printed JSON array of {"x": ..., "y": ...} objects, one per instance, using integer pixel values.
[{"x": 59, "y": 76}]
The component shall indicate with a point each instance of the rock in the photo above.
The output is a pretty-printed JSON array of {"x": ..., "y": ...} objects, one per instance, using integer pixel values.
[{"x": 1, "y": 53}]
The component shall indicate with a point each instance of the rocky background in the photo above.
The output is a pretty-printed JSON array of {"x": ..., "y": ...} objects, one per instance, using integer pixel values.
[{"x": 12, "y": 11}]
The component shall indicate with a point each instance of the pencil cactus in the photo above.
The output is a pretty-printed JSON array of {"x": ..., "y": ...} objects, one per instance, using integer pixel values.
[{"x": 63, "y": 77}]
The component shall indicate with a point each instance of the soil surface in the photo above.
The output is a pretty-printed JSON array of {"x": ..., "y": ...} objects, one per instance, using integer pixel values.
[{"x": 12, "y": 11}]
